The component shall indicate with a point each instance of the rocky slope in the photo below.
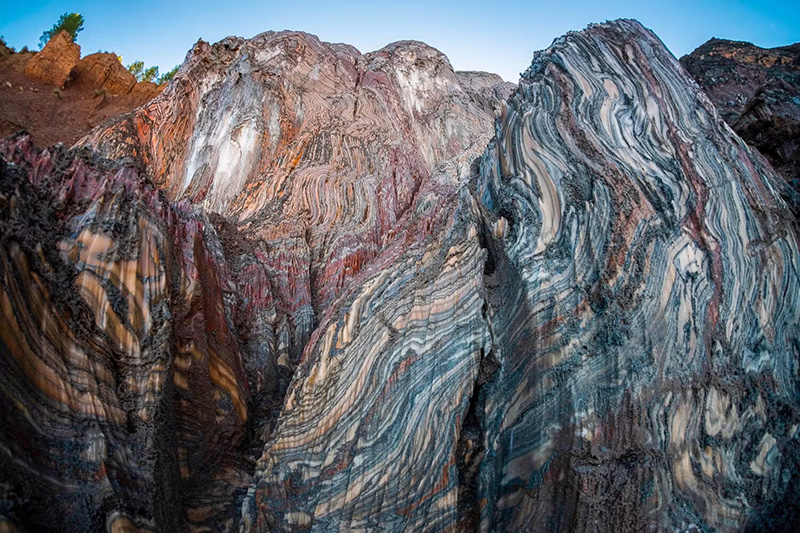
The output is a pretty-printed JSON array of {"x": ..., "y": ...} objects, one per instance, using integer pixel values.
[
  {"x": 298, "y": 291},
  {"x": 757, "y": 92},
  {"x": 58, "y": 97}
]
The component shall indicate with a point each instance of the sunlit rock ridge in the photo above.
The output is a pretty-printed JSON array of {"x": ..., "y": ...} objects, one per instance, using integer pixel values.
[{"x": 307, "y": 288}]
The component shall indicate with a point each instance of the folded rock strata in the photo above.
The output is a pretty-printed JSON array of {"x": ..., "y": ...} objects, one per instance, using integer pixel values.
[
  {"x": 644, "y": 303},
  {"x": 294, "y": 169},
  {"x": 289, "y": 138},
  {"x": 122, "y": 381},
  {"x": 309, "y": 256},
  {"x": 631, "y": 351}
]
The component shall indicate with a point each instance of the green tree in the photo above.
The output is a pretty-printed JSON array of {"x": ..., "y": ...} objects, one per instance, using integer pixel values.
[
  {"x": 143, "y": 74},
  {"x": 71, "y": 22},
  {"x": 150, "y": 74},
  {"x": 167, "y": 76},
  {"x": 136, "y": 68}
]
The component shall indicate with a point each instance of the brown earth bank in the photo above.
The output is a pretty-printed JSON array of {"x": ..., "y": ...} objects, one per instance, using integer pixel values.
[{"x": 98, "y": 88}]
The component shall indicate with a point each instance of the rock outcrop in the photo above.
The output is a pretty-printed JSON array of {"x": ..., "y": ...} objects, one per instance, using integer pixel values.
[
  {"x": 303, "y": 160},
  {"x": 99, "y": 88},
  {"x": 114, "y": 324},
  {"x": 146, "y": 89},
  {"x": 644, "y": 304},
  {"x": 757, "y": 92},
  {"x": 102, "y": 71},
  {"x": 613, "y": 358},
  {"x": 249, "y": 128},
  {"x": 56, "y": 60},
  {"x": 305, "y": 289}
]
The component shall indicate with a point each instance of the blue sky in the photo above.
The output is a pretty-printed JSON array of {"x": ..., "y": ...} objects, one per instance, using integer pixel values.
[{"x": 476, "y": 35}]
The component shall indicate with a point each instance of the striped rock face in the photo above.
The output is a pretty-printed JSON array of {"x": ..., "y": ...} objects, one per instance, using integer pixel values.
[
  {"x": 148, "y": 351},
  {"x": 125, "y": 393},
  {"x": 288, "y": 137},
  {"x": 617, "y": 358},
  {"x": 326, "y": 310},
  {"x": 644, "y": 304}
]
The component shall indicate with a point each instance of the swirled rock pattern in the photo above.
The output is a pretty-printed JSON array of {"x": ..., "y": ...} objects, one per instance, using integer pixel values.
[
  {"x": 124, "y": 392},
  {"x": 644, "y": 303},
  {"x": 369, "y": 434},
  {"x": 297, "y": 291},
  {"x": 210, "y": 288},
  {"x": 312, "y": 148},
  {"x": 633, "y": 346}
]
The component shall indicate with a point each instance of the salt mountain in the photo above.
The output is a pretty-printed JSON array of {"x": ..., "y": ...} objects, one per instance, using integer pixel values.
[{"x": 306, "y": 288}]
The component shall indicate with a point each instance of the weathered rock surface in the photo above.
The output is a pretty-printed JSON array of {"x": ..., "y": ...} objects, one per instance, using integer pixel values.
[
  {"x": 614, "y": 362},
  {"x": 102, "y": 71},
  {"x": 147, "y": 89},
  {"x": 56, "y": 60},
  {"x": 121, "y": 378},
  {"x": 310, "y": 146},
  {"x": 644, "y": 301},
  {"x": 301, "y": 293},
  {"x": 757, "y": 92}
]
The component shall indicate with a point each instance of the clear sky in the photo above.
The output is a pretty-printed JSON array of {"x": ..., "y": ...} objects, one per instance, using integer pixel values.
[{"x": 476, "y": 35}]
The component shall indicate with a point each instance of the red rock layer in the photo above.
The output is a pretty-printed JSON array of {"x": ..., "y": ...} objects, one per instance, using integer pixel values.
[
  {"x": 56, "y": 60},
  {"x": 289, "y": 138}
]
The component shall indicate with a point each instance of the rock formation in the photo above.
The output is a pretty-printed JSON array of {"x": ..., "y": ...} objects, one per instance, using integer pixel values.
[
  {"x": 103, "y": 71},
  {"x": 56, "y": 60},
  {"x": 321, "y": 153},
  {"x": 757, "y": 92},
  {"x": 298, "y": 291},
  {"x": 643, "y": 299}
]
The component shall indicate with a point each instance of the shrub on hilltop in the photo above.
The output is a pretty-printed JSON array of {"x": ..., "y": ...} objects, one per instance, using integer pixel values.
[{"x": 72, "y": 23}]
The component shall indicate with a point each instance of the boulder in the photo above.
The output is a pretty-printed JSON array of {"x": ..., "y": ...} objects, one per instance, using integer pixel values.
[
  {"x": 102, "y": 71},
  {"x": 54, "y": 63}
]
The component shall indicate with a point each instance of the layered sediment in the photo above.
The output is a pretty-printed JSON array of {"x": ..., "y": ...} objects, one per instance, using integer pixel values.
[
  {"x": 643, "y": 299},
  {"x": 270, "y": 173}
]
